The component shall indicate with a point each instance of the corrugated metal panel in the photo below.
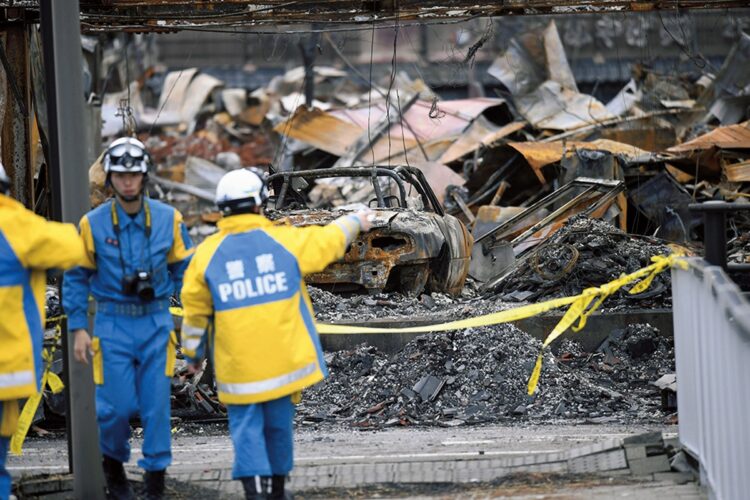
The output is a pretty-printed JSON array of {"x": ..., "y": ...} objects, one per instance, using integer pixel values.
[
  {"x": 477, "y": 135},
  {"x": 449, "y": 119},
  {"x": 320, "y": 129},
  {"x": 731, "y": 137},
  {"x": 539, "y": 154}
]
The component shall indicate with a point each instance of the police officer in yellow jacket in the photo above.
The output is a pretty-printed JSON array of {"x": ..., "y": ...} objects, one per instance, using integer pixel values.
[
  {"x": 137, "y": 250},
  {"x": 244, "y": 293},
  {"x": 29, "y": 246}
]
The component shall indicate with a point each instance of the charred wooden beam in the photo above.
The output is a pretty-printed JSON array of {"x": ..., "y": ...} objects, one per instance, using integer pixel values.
[{"x": 16, "y": 118}]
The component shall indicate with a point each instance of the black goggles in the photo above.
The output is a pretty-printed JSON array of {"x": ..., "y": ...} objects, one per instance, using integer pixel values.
[{"x": 127, "y": 155}]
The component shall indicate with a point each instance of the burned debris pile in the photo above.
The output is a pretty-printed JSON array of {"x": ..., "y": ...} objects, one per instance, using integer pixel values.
[
  {"x": 479, "y": 375},
  {"x": 587, "y": 253}
]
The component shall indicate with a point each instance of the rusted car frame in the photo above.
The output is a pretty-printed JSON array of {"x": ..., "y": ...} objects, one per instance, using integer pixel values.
[{"x": 408, "y": 249}]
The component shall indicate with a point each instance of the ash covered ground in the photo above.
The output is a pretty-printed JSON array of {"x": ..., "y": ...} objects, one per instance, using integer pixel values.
[
  {"x": 330, "y": 307},
  {"x": 479, "y": 376}
]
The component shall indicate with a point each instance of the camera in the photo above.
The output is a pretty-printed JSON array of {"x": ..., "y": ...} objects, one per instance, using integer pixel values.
[{"x": 139, "y": 284}]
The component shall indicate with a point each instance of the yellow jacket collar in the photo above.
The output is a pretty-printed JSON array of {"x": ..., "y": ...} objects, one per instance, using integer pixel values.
[{"x": 243, "y": 222}]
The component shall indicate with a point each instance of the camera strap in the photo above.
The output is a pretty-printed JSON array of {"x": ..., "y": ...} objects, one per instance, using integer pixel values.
[{"x": 116, "y": 225}]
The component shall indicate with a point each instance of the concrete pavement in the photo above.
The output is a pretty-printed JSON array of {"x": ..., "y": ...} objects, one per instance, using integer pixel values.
[{"x": 331, "y": 462}]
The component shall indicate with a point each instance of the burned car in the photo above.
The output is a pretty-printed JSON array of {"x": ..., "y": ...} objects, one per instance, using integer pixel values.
[{"x": 413, "y": 244}]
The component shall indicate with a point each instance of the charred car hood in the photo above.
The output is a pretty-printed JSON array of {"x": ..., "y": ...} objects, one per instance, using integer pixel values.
[{"x": 381, "y": 218}]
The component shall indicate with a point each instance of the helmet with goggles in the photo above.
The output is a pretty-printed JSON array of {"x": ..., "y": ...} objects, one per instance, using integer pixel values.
[{"x": 127, "y": 155}]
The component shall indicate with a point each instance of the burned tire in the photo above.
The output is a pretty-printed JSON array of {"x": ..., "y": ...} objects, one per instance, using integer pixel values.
[{"x": 411, "y": 280}]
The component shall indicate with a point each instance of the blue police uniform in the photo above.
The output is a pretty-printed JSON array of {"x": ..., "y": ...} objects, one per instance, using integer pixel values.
[{"x": 133, "y": 342}]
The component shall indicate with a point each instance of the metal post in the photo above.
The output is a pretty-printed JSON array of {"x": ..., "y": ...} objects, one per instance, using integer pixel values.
[
  {"x": 715, "y": 238},
  {"x": 63, "y": 62},
  {"x": 309, "y": 49}
]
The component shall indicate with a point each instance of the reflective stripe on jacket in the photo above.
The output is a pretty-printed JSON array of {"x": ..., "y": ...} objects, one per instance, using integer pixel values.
[
  {"x": 29, "y": 246},
  {"x": 245, "y": 282}
]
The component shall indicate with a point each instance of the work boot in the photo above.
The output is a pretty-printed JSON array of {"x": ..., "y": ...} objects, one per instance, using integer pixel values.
[
  {"x": 255, "y": 487},
  {"x": 118, "y": 487},
  {"x": 154, "y": 481},
  {"x": 277, "y": 488}
]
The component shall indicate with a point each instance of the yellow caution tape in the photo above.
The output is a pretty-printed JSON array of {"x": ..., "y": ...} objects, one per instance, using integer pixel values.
[
  {"x": 496, "y": 318},
  {"x": 25, "y": 419},
  {"x": 55, "y": 383},
  {"x": 581, "y": 307},
  {"x": 29, "y": 409}
]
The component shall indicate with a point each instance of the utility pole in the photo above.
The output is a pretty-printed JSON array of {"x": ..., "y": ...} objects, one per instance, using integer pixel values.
[
  {"x": 309, "y": 50},
  {"x": 63, "y": 62}
]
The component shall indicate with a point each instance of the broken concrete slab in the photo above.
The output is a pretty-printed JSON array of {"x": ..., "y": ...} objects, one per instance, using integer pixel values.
[
  {"x": 649, "y": 465},
  {"x": 598, "y": 462}
]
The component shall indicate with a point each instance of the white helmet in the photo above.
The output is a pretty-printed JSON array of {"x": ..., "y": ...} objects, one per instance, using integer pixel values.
[
  {"x": 241, "y": 190},
  {"x": 4, "y": 181},
  {"x": 127, "y": 154}
]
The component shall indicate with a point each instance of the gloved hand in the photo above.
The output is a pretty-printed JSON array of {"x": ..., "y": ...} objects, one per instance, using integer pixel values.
[{"x": 365, "y": 219}]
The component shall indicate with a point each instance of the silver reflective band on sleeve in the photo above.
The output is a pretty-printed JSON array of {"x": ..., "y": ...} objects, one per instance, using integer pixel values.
[
  {"x": 268, "y": 384},
  {"x": 344, "y": 224},
  {"x": 191, "y": 332},
  {"x": 15, "y": 379},
  {"x": 191, "y": 344}
]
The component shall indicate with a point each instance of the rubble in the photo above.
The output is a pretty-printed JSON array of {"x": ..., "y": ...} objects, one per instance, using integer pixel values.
[
  {"x": 659, "y": 136},
  {"x": 586, "y": 253},
  {"x": 536, "y": 72},
  {"x": 498, "y": 249},
  {"x": 435, "y": 306},
  {"x": 479, "y": 375},
  {"x": 738, "y": 249}
]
